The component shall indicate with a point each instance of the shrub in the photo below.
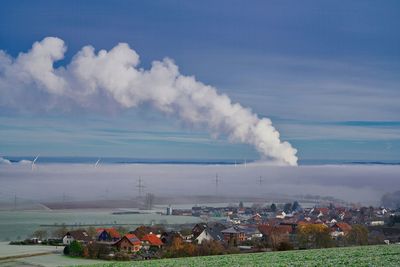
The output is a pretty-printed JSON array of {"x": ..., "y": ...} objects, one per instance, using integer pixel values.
[
  {"x": 75, "y": 249},
  {"x": 98, "y": 251}
]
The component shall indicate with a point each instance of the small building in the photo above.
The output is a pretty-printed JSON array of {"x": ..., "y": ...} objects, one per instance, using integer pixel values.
[
  {"x": 281, "y": 215},
  {"x": 76, "y": 235},
  {"x": 251, "y": 231},
  {"x": 128, "y": 243},
  {"x": 210, "y": 234},
  {"x": 198, "y": 229},
  {"x": 151, "y": 240},
  {"x": 234, "y": 235},
  {"x": 168, "y": 237},
  {"x": 377, "y": 223}
]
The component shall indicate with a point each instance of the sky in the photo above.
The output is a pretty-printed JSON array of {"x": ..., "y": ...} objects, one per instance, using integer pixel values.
[{"x": 325, "y": 73}]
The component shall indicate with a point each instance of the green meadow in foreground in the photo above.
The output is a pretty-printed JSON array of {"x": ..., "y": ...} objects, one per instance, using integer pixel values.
[{"x": 382, "y": 255}]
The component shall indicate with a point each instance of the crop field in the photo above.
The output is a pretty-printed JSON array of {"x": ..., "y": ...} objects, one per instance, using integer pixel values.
[{"x": 382, "y": 255}]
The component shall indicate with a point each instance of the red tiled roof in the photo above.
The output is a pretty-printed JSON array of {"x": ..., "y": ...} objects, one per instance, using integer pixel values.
[
  {"x": 130, "y": 236},
  {"x": 152, "y": 239}
]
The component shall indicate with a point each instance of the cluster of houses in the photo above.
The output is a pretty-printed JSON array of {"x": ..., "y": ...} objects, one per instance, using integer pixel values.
[
  {"x": 110, "y": 236},
  {"x": 248, "y": 223}
]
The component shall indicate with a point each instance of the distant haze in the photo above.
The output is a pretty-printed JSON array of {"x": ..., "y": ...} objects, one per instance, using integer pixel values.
[{"x": 355, "y": 183}]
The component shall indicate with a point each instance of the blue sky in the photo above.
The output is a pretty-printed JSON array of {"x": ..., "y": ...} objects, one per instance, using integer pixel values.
[{"x": 326, "y": 73}]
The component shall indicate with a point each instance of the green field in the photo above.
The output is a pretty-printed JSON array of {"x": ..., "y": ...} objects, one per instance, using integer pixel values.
[{"x": 382, "y": 255}]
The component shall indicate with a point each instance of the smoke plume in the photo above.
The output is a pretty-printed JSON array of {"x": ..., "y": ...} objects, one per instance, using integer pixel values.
[{"x": 30, "y": 80}]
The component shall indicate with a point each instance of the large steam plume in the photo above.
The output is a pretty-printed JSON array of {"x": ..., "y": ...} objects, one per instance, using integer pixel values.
[{"x": 114, "y": 77}]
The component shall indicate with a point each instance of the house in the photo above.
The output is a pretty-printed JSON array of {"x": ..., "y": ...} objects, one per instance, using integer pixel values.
[
  {"x": 340, "y": 229},
  {"x": 281, "y": 215},
  {"x": 151, "y": 240},
  {"x": 377, "y": 223},
  {"x": 204, "y": 236},
  {"x": 198, "y": 229},
  {"x": 251, "y": 231},
  {"x": 107, "y": 234},
  {"x": 210, "y": 234},
  {"x": 233, "y": 235},
  {"x": 76, "y": 235},
  {"x": 168, "y": 237},
  {"x": 213, "y": 231},
  {"x": 128, "y": 243}
]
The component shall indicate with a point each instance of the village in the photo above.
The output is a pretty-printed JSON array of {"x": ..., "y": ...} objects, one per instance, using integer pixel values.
[{"x": 233, "y": 229}]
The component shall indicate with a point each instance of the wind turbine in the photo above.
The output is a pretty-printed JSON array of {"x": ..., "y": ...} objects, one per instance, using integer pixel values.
[
  {"x": 34, "y": 161},
  {"x": 97, "y": 163}
]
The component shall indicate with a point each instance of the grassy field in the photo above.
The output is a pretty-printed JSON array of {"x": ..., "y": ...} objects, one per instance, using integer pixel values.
[
  {"x": 51, "y": 260},
  {"x": 7, "y": 250},
  {"x": 37, "y": 255},
  {"x": 383, "y": 255}
]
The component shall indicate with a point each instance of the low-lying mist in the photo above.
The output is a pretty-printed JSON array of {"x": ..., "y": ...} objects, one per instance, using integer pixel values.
[{"x": 72, "y": 182}]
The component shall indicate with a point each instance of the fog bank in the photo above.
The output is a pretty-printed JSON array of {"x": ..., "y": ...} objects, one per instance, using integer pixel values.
[{"x": 70, "y": 182}]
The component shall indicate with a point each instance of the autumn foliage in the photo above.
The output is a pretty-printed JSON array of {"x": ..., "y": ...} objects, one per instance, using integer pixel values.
[
  {"x": 179, "y": 248},
  {"x": 314, "y": 236}
]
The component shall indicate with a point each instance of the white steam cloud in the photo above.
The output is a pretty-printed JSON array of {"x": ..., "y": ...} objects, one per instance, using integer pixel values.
[{"x": 113, "y": 76}]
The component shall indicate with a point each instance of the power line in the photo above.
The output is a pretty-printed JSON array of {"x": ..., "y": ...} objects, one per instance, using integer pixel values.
[{"x": 140, "y": 186}]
